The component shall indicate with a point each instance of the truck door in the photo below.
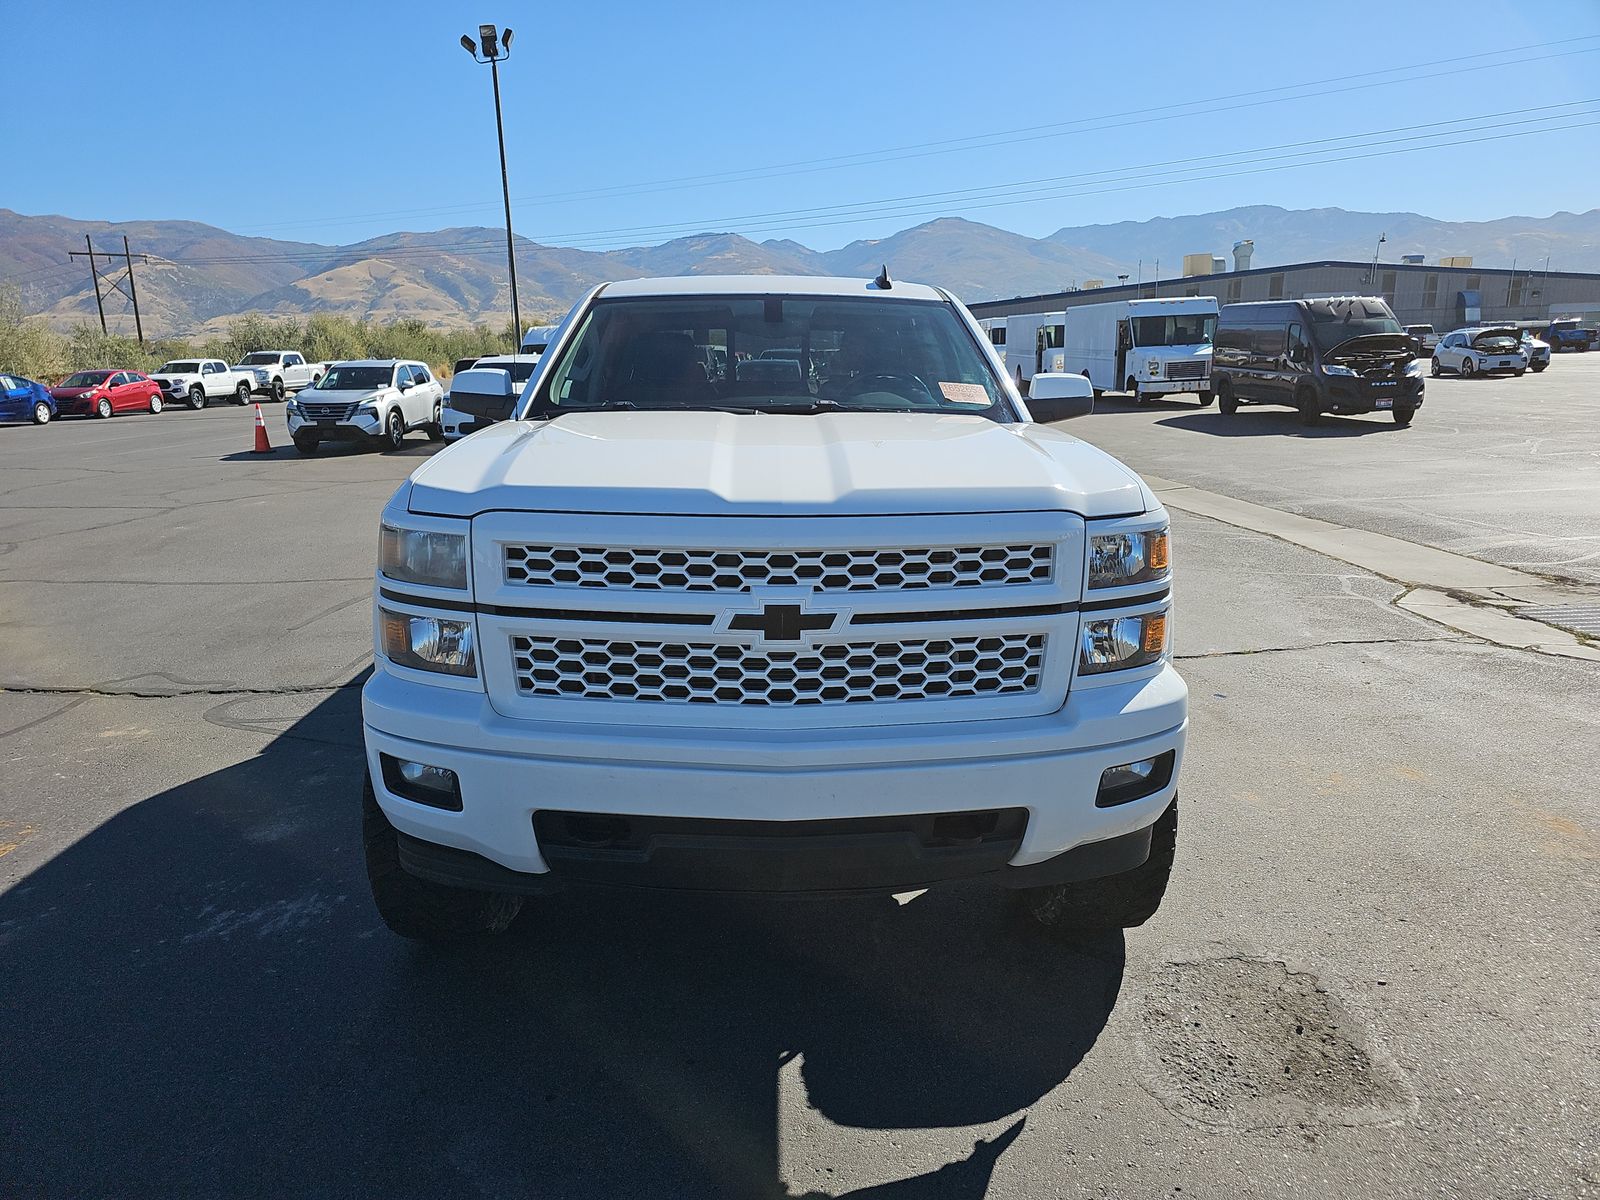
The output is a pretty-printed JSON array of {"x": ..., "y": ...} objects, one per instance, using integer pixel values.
[{"x": 1124, "y": 344}]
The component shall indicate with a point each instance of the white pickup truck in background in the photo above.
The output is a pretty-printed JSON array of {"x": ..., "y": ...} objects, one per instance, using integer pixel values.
[
  {"x": 277, "y": 372},
  {"x": 198, "y": 381}
]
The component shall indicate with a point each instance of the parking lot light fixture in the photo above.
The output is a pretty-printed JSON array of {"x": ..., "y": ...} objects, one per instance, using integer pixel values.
[{"x": 494, "y": 47}]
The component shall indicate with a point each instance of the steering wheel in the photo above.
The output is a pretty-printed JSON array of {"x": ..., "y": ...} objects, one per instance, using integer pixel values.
[{"x": 875, "y": 383}]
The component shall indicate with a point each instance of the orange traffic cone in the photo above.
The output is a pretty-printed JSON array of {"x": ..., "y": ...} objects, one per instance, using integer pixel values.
[{"x": 262, "y": 445}]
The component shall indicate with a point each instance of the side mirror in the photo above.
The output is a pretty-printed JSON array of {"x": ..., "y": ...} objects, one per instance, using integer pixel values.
[
  {"x": 484, "y": 392},
  {"x": 1060, "y": 395}
]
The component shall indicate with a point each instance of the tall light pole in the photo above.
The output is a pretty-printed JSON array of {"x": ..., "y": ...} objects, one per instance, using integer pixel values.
[
  {"x": 1372, "y": 271},
  {"x": 496, "y": 47}
]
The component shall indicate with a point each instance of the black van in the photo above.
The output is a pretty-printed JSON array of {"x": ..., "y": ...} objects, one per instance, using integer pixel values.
[{"x": 1346, "y": 355}]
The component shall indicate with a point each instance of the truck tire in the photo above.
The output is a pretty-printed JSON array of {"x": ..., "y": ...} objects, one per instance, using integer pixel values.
[
  {"x": 1402, "y": 414},
  {"x": 1132, "y": 389},
  {"x": 1306, "y": 401},
  {"x": 1205, "y": 399},
  {"x": 1227, "y": 402},
  {"x": 241, "y": 395},
  {"x": 197, "y": 398},
  {"x": 277, "y": 391},
  {"x": 420, "y": 909},
  {"x": 1125, "y": 901}
]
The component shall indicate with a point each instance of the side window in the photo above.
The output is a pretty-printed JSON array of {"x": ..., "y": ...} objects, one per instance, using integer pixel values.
[
  {"x": 117, "y": 380},
  {"x": 1275, "y": 286},
  {"x": 402, "y": 375},
  {"x": 1298, "y": 351},
  {"x": 293, "y": 360},
  {"x": 419, "y": 374}
]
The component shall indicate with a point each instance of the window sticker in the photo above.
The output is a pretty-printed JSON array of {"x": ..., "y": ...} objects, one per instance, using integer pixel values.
[{"x": 965, "y": 393}]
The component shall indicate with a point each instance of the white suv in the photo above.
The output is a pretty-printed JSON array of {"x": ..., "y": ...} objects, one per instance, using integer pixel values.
[
  {"x": 856, "y": 627},
  {"x": 372, "y": 400},
  {"x": 1480, "y": 352}
]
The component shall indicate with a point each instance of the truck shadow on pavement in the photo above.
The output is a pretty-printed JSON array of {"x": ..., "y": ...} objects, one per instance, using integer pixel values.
[
  {"x": 200, "y": 1000},
  {"x": 1279, "y": 423}
]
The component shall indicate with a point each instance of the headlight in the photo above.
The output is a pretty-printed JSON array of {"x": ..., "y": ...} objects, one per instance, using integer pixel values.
[
  {"x": 368, "y": 410},
  {"x": 1118, "y": 643},
  {"x": 1414, "y": 368},
  {"x": 423, "y": 556},
  {"x": 1118, "y": 559},
  {"x": 1337, "y": 370},
  {"x": 1153, "y": 367},
  {"x": 428, "y": 643}
]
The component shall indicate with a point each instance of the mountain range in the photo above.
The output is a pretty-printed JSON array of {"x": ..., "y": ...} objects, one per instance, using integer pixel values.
[{"x": 197, "y": 277}]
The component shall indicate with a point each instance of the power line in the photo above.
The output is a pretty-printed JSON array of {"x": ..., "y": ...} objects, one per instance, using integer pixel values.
[
  {"x": 975, "y": 198},
  {"x": 1204, "y": 107}
]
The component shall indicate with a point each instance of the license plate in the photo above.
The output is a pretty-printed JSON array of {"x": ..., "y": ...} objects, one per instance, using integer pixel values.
[
  {"x": 1505, "y": 362},
  {"x": 1385, "y": 403}
]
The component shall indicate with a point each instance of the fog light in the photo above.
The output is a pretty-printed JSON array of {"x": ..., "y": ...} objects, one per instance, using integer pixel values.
[
  {"x": 1135, "y": 780},
  {"x": 436, "y": 787}
]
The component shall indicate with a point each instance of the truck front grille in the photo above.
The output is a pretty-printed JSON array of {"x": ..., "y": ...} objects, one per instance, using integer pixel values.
[
  {"x": 754, "y": 676},
  {"x": 743, "y": 570},
  {"x": 1189, "y": 368}
]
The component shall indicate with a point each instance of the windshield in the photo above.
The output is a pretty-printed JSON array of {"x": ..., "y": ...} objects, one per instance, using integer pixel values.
[
  {"x": 178, "y": 368},
  {"x": 87, "y": 379},
  {"x": 1498, "y": 342},
  {"x": 1187, "y": 329},
  {"x": 260, "y": 358},
  {"x": 773, "y": 354},
  {"x": 1336, "y": 321},
  {"x": 355, "y": 379}
]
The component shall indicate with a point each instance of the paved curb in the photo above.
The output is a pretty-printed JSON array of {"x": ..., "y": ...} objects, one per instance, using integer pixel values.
[{"x": 1495, "y": 592}]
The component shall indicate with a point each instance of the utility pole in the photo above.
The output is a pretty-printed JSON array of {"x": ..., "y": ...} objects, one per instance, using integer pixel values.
[
  {"x": 496, "y": 47},
  {"x": 133, "y": 291},
  {"x": 127, "y": 256},
  {"x": 95, "y": 275}
]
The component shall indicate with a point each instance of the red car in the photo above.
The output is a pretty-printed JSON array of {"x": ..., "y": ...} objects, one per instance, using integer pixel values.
[{"x": 101, "y": 393}]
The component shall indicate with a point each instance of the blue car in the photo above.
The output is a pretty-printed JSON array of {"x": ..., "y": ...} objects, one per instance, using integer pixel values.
[{"x": 24, "y": 400}]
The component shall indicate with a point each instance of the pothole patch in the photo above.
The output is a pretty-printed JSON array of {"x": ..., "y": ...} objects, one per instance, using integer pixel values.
[{"x": 1248, "y": 1043}]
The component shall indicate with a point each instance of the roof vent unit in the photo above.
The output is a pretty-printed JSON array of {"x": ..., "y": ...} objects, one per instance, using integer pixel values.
[
  {"x": 1412, "y": 260},
  {"x": 1241, "y": 254},
  {"x": 1196, "y": 264},
  {"x": 1456, "y": 260},
  {"x": 1218, "y": 265},
  {"x": 1091, "y": 284}
]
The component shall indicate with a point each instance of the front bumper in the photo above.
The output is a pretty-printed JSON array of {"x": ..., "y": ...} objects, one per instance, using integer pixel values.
[
  {"x": 73, "y": 406},
  {"x": 356, "y": 429},
  {"x": 511, "y": 771},
  {"x": 1157, "y": 387},
  {"x": 1345, "y": 395}
]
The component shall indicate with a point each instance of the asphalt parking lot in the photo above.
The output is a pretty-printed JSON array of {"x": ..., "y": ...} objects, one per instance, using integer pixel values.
[{"x": 1373, "y": 975}]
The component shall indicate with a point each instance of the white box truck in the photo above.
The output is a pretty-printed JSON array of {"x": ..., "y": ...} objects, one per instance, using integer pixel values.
[
  {"x": 1146, "y": 348},
  {"x": 1033, "y": 343}
]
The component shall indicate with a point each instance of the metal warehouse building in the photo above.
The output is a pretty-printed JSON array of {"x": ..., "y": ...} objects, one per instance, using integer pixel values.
[{"x": 1444, "y": 297}]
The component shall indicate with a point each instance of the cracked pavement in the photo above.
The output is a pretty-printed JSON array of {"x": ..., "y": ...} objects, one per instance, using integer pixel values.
[{"x": 1373, "y": 974}]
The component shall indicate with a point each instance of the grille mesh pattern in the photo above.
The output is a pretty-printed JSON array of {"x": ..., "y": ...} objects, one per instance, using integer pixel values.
[
  {"x": 840, "y": 673},
  {"x": 850, "y": 570},
  {"x": 1191, "y": 369},
  {"x": 327, "y": 412}
]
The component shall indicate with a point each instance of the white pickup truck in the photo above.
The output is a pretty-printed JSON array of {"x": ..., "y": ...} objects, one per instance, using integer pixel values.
[
  {"x": 198, "y": 381},
  {"x": 857, "y": 626},
  {"x": 275, "y": 373}
]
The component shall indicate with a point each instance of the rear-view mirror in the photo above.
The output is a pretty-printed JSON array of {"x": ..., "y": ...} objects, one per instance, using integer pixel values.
[{"x": 1060, "y": 395}]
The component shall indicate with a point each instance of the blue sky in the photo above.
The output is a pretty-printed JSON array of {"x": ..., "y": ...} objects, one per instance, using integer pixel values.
[{"x": 372, "y": 118}]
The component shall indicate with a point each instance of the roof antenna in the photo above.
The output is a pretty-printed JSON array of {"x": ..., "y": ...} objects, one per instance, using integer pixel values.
[{"x": 883, "y": 282}]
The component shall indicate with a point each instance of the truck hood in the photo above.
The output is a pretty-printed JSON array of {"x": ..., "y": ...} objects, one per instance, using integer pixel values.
[{"x": 710, "y": 463}]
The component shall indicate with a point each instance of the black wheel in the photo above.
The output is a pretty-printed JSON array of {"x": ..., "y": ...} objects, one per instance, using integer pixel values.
[
  {"x": 1227, "y": 402},
  {"x": 1467, "y": 366},
  {"x": 1306, "y": 402},
  {"x": 394, "y": 430},
  {"x": 1205, "y": 399},
  {"x": 197, "y": 397},
  {"x": 1437, "y": 369},
  {"x": 1537, "y": 367},
  {"x": 436, "y": 426},
  {"x": 277, "y": 390},
  {"x": 419, "y": 908},
  {"x": 1115, "y": 902},
  {"x": 41, "y": 413},
  {"x": 1521, "y": 373},
  {"x": 241, "y": 394},
  {"x": 1402, "y": 414},
  {"x": 1132, "y": 388},
  {"x": 102, "y": 408},
  {"x": 307, "y": 443}
]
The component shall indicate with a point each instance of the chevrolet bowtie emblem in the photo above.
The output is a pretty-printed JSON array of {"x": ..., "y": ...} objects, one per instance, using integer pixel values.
[{"x": 782, "y": 622}]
